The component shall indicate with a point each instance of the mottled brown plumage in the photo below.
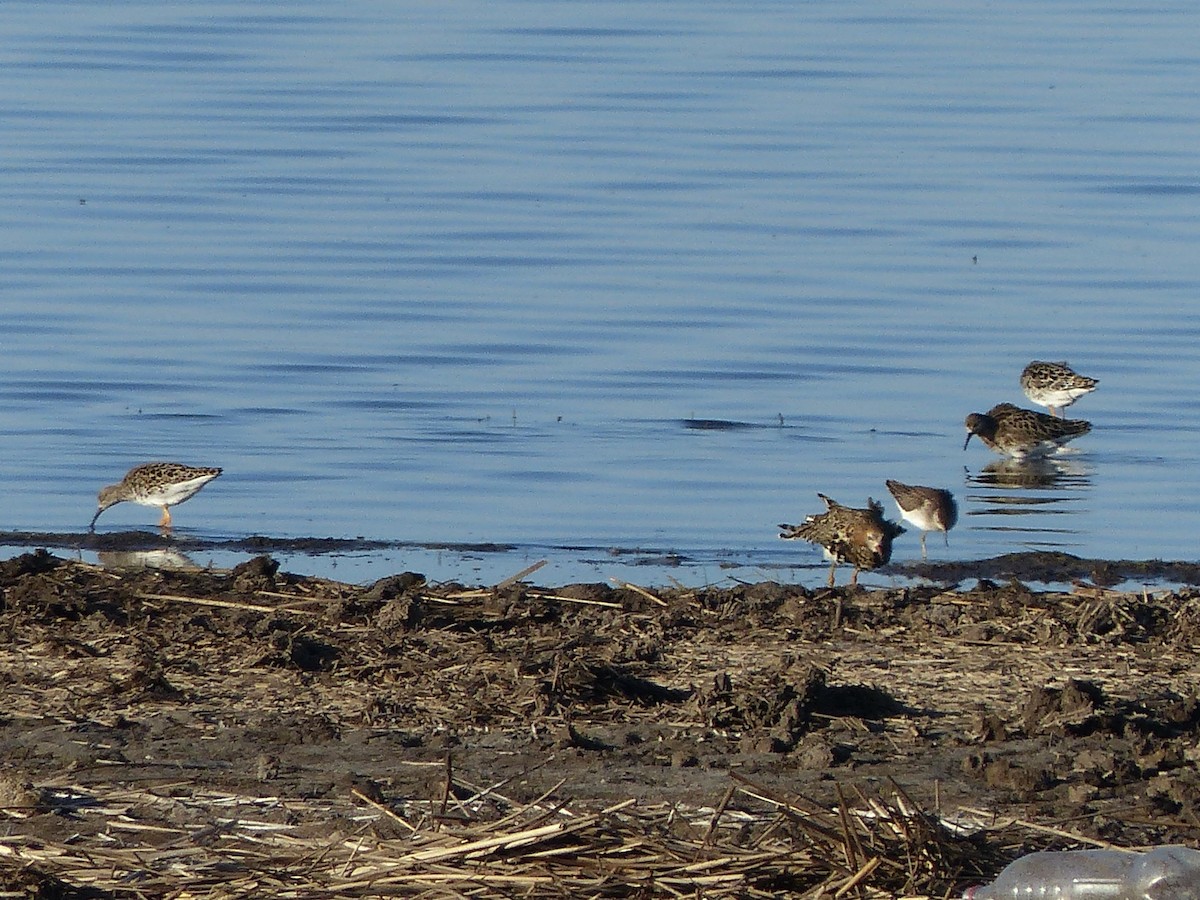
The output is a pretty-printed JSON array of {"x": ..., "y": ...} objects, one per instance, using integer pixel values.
[
  {"x": 930, "y": 509},
  {"x": 158, "y": 484},
  {"x": 861, "y": 537},
  {"x": 1017, "y": 432},
  {"x": 1055, "y": 385}
]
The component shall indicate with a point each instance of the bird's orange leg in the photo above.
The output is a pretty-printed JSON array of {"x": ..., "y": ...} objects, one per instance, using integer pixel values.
[{"x": 165, "y": 521}]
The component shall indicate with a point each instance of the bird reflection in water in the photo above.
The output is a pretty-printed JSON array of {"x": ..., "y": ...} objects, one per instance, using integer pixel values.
[
  {"x": 1046, "y": 472},
  {"x": 165, "y": 558},
  {"x": 1051, "y": 486}
]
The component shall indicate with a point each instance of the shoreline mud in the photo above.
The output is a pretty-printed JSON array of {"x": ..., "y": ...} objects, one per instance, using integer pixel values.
[{"x": 170, "y": 731}]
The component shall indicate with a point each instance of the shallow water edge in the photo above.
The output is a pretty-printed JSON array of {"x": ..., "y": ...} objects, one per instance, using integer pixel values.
[{"x": 146, "y": 549}]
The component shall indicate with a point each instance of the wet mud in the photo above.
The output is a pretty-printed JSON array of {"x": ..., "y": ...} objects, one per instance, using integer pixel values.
[{"x": 1057, "y": 717}]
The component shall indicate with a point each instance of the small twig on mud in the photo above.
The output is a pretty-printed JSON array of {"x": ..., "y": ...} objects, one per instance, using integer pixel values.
[
  {"x": 296, "y": 597},
  {"x": 849, "y": 844},
  {"x": 225, "y": 604},
  {"x": 447, "y": 785},
  {"x": 513, "y": 579},
  {"x": 1044, "y": 829},
  {"x": 637, "y": 590},
  {"x": 580, "y": 600},
  {"x": 804, "y": 818},
  {"x": 867, "y": 868},
  {"x": 387, "y": 811},
  {"x": 533, "y": 805},
  {"x": 515, "y": 839},
  {"x": 716, "y": 816}
]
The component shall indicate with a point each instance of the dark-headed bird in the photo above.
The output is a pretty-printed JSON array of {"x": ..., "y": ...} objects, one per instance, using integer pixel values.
[{"x": 1020, "y": 433}]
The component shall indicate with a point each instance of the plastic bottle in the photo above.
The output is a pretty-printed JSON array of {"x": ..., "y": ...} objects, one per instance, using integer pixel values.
[{"x": 1165, "y": 873}]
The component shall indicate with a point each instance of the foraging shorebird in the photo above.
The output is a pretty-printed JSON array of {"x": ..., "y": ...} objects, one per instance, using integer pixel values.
[
  {"x": 930, "y": 509},
  {"x": 861, "y": 537},
  {"x": 158, "y": 484},
  {"x": 1021, "y": 433},
  {"x": 1055, "y": 385}
]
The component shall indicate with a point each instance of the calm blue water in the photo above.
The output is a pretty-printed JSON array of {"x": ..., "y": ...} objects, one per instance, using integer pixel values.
[{"x": 463, "y": 272}]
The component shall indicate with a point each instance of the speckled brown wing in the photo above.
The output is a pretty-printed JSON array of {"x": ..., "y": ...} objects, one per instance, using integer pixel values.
[
  {"x": 824, "y": 528},
  {"x": 159, "y": 484},
  {"x": 1018, "y": 432},
  {"x": 862, "y": 537},
  {"x": 1055, "y": 384},
  {"x": 1028, "y": 426}
]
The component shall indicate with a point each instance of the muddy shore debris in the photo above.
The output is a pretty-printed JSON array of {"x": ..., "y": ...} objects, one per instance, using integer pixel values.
[{"x": 252, "y": 731}]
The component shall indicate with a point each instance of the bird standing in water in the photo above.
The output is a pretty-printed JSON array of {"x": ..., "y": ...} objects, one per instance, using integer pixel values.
[
  {"x": 1055, "y": 385},
  {"x": 1019, "y": 433}
]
